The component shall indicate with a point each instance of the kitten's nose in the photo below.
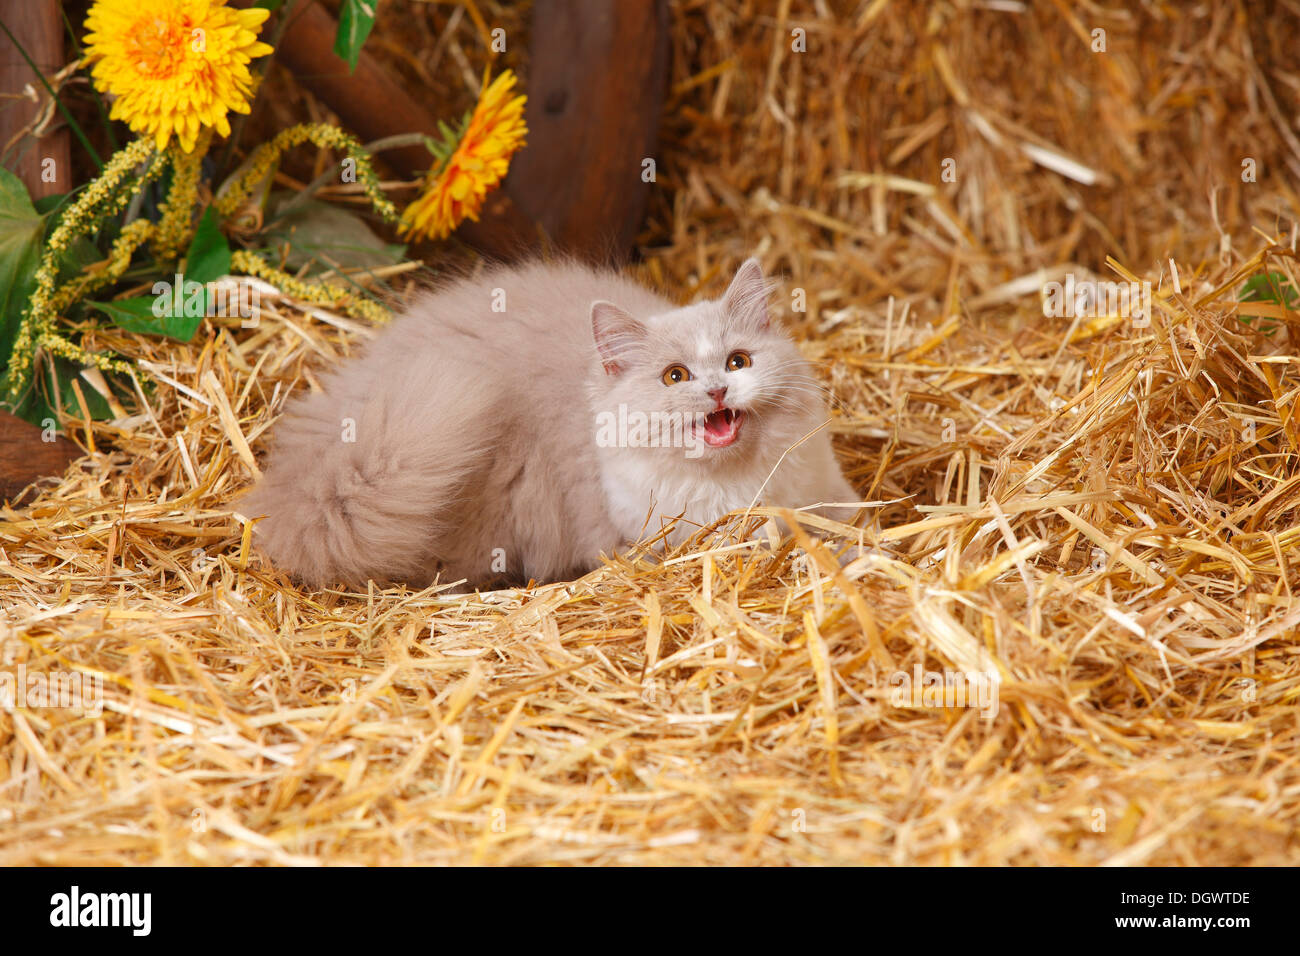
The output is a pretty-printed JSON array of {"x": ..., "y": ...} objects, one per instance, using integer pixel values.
[{"x": 717, "y": 394}]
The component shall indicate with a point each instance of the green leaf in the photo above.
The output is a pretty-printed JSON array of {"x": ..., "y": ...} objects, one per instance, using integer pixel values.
[
  {"x": 80, "y": 253},
  {"x": 208, "y": 257},
  {"x": 317, "y": 232},
  {"x": 356, "y": 17},
  {"x": 48, "y": 204},
  {"x": 271, "y": 5},
  {"x": 1269, "y": 287},
  {"x": 21, "y": 231},
  {"x": 140, "y": 315},
  {"x": 51, "y": 389}
]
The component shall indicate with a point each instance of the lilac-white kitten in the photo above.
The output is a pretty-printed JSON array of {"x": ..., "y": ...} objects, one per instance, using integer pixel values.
[{"x": 520, "y": 424}]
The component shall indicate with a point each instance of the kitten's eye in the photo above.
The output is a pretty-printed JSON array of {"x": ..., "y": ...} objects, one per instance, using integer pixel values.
[
  {"x": 739, "y": 360},
  {"x": 674, "y": 374}
]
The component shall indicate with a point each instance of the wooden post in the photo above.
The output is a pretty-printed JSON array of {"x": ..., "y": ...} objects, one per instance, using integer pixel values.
[
  {"x": 598, "y": 74},
  {"x": 36, "y": 25},
  {"x": 44, "y": 166}
]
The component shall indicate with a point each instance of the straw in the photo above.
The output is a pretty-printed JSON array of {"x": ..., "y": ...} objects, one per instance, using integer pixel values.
[{"x": 1100, "y": 514}]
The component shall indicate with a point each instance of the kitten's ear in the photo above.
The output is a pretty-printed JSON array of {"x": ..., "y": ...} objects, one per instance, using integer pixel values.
[
  {"x": 746, "y": 297},
  {"x": 615, "y": 332}
]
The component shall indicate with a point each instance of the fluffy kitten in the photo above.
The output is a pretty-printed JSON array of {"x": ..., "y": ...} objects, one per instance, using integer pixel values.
[{"x": 499, "y": 445}]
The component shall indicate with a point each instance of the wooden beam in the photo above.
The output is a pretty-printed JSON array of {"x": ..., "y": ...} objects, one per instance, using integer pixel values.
[{"x": 37, "y": 26}]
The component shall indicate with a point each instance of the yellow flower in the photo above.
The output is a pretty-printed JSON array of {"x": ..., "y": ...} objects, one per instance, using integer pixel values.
[
  {"x": 476, "y": 162},
  {"x": 174, "y": 66}
]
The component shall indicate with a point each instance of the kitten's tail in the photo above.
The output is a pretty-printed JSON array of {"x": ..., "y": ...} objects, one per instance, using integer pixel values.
[{"x": 350, "y": 498}]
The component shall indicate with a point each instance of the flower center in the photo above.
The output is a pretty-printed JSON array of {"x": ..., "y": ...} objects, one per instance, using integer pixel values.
[{"x": 157, "y": 46}]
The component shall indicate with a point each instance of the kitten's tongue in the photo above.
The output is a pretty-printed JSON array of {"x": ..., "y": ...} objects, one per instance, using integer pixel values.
[{"x": 722, "y": 427}]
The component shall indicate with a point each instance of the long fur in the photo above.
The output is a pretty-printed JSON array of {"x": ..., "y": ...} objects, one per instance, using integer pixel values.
[{"x": 462, "y": 443}]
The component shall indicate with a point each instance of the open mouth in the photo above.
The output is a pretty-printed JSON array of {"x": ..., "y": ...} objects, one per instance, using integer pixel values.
[{"x": 722, "y": 427}]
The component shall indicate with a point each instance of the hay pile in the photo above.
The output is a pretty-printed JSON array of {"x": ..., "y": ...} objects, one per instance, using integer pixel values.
[{"x": 1102, "y": 512}]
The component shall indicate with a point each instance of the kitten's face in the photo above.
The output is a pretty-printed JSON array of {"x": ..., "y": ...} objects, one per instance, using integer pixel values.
[{"x": 734, "y": 381}]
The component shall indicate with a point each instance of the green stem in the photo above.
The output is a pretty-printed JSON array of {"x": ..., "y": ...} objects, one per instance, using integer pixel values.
[
  {"x": 378, "y": 146},
  {"x": 98, "y": 97}
]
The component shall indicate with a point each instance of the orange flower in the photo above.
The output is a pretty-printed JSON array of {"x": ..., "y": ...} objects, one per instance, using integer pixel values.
[{"x": 472, "y": 164}]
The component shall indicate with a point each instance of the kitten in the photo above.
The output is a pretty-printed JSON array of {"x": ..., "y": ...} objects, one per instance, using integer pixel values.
[{"x": 470, "y": 442}]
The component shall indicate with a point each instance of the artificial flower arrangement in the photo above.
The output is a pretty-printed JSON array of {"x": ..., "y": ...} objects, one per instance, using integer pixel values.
[{"x": 175, "y": 70}]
